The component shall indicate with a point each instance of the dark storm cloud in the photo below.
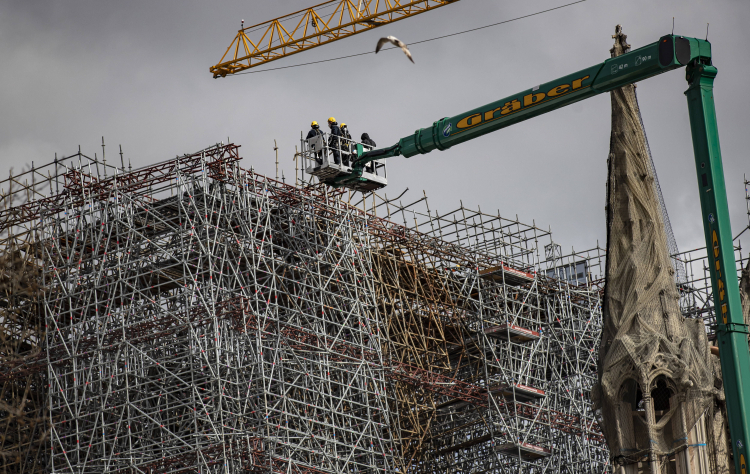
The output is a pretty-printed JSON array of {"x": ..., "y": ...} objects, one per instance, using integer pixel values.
[{"x": 137, "y": 73}]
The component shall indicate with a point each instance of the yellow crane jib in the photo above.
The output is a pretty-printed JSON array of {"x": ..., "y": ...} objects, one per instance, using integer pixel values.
[{"x": 312, "y": 27}]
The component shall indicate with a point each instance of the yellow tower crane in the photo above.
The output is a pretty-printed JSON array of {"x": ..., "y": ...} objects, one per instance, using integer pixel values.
[{"x": 312, "y": 27}]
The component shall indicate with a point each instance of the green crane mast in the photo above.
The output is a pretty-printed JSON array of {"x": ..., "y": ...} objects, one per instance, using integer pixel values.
[{"x": 670, "y": 52}]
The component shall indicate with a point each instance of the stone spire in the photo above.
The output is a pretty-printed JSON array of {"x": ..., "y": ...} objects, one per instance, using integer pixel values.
[{"x": 656, "y": 374}]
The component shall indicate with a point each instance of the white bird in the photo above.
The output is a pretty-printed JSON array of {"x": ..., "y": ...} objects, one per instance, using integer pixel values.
[{"x": 396, "y": 42}]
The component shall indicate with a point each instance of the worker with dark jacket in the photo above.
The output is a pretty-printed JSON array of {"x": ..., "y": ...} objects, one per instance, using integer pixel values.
[
  {"x": 346, "y": 143},
  {"x": 368, "y": 144},
  {"x": 334, "y": 140},
  {"x": 314, "y": 132},
  {"x": 366, "y": 140}
]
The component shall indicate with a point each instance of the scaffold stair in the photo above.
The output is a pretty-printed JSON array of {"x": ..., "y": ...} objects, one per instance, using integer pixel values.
[
  {"x": 526, "y": 451},
  {"x": 512, "y": 332},
  {"x": 509, "y": 275},
  {"x": 519, "y": 392}
]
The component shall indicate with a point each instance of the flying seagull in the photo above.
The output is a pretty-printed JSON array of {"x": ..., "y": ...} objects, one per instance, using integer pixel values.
[{"x": 396, "y": 42}]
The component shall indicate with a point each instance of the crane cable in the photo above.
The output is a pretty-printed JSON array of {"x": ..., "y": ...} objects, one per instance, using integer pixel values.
[{"x": 415, "y": 42}]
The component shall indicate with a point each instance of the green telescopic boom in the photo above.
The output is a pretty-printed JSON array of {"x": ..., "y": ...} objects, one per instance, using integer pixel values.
[{"x": 670, "y": 52}]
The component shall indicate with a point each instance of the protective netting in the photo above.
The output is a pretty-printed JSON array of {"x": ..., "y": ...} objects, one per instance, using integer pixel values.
[{"x": 657, "y": 378}]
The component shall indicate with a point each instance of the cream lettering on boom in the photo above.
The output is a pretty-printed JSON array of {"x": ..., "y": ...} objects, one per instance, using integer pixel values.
[{"x": 520, "y": 103}]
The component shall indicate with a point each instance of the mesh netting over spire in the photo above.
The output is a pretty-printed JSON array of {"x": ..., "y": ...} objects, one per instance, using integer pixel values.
[{"x": 658, "y": 380}]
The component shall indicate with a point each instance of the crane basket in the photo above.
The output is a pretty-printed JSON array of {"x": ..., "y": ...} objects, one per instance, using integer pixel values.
[{"x": 330, "y": 159}]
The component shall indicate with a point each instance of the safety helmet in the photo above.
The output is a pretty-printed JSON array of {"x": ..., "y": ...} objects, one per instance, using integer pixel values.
[
  {"x": 342, "y": 125},
  {"x": 314, "y": 124},
  {"x": 331, "y": 119}
]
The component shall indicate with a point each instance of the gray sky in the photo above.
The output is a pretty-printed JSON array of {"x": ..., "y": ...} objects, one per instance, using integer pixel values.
[{"x": 137, "y": 73}]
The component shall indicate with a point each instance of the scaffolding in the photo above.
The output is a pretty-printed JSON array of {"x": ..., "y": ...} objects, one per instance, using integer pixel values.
[
  {"x": 24, "y": 415},
  {"x": 511, "y": 331},
  {"x": 195, "y": 316},
  {"x": 204, "y": 318}
]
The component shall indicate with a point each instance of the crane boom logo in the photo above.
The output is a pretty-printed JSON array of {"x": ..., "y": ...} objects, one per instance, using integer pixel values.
[
  {"x": 447, "y": 130},
  {"x": 521, "y": 103}
]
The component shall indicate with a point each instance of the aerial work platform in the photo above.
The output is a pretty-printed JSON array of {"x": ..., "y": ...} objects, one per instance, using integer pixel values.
[{"x": 333, "y": 163}]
